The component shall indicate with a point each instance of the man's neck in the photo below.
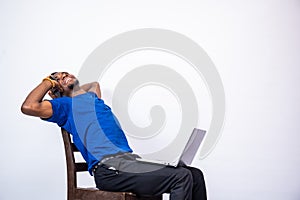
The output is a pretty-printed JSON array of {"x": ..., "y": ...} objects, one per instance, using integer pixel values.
[
  {"x": 75, "y": 93},
  {"x": 77, "y": 90}
]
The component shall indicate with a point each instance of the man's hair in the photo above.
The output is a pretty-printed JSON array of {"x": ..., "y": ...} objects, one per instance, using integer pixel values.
[
  {"x": 55, "y": 91},
  {"x": 52, "y": 75}
]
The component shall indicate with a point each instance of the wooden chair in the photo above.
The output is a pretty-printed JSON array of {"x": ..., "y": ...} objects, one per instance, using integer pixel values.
[{"x": 76, "y": 193}]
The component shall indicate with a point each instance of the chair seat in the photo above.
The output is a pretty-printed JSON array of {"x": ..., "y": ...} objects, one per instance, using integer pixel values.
[{"x": 96, "y": 194}]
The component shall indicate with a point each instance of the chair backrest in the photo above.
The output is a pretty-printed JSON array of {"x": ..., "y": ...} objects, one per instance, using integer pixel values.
[{"x": 72, "y": 166}]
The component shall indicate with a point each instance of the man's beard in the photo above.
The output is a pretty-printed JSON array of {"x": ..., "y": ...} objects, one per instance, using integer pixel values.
[{"x": 71, "y": 86}]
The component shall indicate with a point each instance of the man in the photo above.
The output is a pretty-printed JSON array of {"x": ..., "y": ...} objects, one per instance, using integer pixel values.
[{"x": 98, "y": 135}]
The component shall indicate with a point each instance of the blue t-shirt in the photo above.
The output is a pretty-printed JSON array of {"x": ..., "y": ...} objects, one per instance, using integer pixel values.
[{"x": 95, "y": 130}]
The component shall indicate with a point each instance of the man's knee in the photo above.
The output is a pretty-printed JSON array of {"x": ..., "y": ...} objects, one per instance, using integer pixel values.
[
  {"x": 197, "y": 172},
  {"x": 185, "y": 174}
]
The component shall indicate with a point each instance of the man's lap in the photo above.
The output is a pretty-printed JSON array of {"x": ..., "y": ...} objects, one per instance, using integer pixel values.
[{"x": 130, "y": 175}]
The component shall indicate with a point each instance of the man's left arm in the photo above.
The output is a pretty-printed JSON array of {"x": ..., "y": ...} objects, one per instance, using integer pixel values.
[{"x": 92, "y": 87}]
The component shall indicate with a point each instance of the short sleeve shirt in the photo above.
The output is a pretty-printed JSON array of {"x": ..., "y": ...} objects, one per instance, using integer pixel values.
[{"x": 95, "y": 130}]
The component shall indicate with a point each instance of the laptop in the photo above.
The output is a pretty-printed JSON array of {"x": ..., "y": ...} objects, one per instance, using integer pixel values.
[{"x": 188, "y": 153}]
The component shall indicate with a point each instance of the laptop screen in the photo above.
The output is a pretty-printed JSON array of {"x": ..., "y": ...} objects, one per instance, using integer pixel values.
[{"x": 192, "y": 146}]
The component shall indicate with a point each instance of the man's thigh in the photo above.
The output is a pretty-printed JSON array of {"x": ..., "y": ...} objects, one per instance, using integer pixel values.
[{"x": 137, "y": 177}]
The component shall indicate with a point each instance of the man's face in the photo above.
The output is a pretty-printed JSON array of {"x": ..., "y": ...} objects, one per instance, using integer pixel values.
[{"x": 67, "y": 81}]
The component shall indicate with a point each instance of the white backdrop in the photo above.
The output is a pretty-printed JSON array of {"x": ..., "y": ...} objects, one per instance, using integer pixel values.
[{"x": 255, "y": 46}]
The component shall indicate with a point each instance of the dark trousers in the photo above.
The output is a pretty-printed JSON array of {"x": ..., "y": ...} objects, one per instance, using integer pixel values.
[{"x": 125, "y": 174}]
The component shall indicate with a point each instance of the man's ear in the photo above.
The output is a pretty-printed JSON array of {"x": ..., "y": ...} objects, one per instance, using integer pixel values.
[
  {"x": 50, "y": 93},
  {"x": 55, "y": 92}
]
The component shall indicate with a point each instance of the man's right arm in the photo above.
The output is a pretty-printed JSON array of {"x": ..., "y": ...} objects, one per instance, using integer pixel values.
[
  {"x": 92, "y": 87},
  {"x": 34, "y": 104}
]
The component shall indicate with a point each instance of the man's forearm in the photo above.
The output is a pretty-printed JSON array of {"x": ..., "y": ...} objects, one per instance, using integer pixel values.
[
  {"x": 32, "y": 103},
  {"x": 92, "y": 87}
]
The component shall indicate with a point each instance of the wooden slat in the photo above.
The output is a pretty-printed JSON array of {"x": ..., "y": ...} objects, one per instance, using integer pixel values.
[
  {"x": 81, "y": 167},
  {"x": 74, "y": 148}
]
